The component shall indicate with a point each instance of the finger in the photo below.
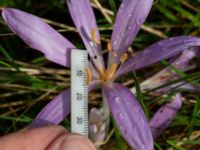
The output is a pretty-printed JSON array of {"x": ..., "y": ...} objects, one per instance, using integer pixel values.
[{"x": 38, "y": 139}]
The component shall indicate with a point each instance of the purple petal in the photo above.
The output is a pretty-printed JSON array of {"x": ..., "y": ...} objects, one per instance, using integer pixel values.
[
  {"x": 84, "y": 19},
  {"x": 130, "y": 17},
  {"x": 165, "y": 115},
  {"x": 38, "y": 35},
  {"x": 54, "y": 112},
  {"x": 159, "y": 51},
  {"x": 129, "y": 117},
  {"x": 97, "y": 126},
  {"x": 166, "y": 75}
]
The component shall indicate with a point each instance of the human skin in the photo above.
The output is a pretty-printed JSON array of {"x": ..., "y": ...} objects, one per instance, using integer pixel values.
[{"x": 45, "y": 138}]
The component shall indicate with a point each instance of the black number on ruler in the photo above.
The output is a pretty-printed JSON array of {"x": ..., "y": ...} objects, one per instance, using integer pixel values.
[
  {"x": 79, "y": 120},
  {"x": 79, "y": 96},
  {"x": 79, "y": 73}
]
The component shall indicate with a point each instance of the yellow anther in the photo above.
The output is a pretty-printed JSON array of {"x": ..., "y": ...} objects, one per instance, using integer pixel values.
[
  {"x": 112, "y": 70},
  {"x": 109, "y": 46},
  {"x": 89, "y": 75},
  {"x": 94, "y": 37},
  {"x": 124, "y": 58},
  {"x": 102, "y": 72}
]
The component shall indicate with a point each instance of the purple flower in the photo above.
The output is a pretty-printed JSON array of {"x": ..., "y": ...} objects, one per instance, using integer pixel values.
[
  {"x": 97, "y": 126},
  {"x": 165, "y": 115},
  {"x": 180, "y": 62},
  {"x": 125, "y": 108}
]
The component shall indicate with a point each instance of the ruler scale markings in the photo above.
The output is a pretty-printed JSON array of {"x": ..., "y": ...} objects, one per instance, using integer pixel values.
[{"x": 79, "y": 92}]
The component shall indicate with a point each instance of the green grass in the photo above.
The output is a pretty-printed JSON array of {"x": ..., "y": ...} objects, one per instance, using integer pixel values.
[{"x": 28, "y": 81}]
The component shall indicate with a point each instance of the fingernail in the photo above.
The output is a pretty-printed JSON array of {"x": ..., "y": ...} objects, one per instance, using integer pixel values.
[{"x": 72, "y": 142}]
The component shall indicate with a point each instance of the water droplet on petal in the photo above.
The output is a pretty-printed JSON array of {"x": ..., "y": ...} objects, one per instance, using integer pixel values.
[
  {"x": 122, "y": 5},
  {"x": 93, "y": 128},
  {"x": 122, "y": 129},
  {"x": 115, "y": 42},
  {"x": 138, "y": 22},
  {"x": 129, "y": 28},
  {"x": 120, "y": 115},
  {"x": 142, "y": 121},
  {"x": 129, "y": 15},
  {"x": 117, "y": 99},
  {"x": 122, "y": 34}
]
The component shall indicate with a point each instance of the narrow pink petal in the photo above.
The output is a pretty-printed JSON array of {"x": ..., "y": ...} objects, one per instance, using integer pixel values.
[
  {"x": 130, "y": 17},
  {"x": 129, "y": 117},
  {"x": 84, "y": 20},
  {"x": 165, "y": 115},
  {"x": 181, "y": 62},
  {"x": 54, "y": 112},
  {"x": 159, "y": 51},
  {"x": 38, "y": 35}
]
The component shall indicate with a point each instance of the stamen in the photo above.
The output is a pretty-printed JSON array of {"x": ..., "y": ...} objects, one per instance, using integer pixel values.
[
  {"x": 109, "y": 47},
  {"x": 112, "y": 70},
  {"x": 101, "y": 71},
  {"x": 94, "y": 37},
  {"x": 89, "y": 75},
  {"x": 123, "y": 58}
]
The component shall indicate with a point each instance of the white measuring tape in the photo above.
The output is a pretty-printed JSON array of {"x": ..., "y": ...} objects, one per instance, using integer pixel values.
[{"x": 79, "y": 92}]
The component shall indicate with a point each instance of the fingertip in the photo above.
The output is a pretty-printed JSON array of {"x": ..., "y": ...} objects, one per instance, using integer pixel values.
[{"x": 72, "y": 142}]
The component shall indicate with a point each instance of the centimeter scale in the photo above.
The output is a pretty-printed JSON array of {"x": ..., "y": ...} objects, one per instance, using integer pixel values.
[{"x": 79, "y": 92}]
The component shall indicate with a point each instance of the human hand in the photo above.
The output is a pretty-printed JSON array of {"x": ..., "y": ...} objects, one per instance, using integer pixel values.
[{"x": 45, "y": 138}]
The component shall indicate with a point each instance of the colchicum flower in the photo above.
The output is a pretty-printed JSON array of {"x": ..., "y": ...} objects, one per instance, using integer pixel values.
[
  {"x": 165, "y": 115},
  {"x": 124, "y": 106},
  {"x": 182, "y": 63}
]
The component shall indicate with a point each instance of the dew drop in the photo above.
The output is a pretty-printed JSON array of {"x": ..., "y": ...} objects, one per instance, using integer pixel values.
[
  {"x": 142, "y": 121},
  {"x": 138, "y": 22},
  {"x": 117, "y": 100},
  {"x": 93, "y": 128},
  {"x": 115, "y": 42},
  {"x": 123, "y": 6},
  {"x": 122, "y": 129},
  {"x": 129, "y": 28},
  {"x": 120, "y": 115},
  {"x": 129, "y": 15}
]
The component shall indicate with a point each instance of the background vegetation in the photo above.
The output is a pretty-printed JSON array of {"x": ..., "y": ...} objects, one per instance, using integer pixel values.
[{"x": 28, "y": 81}]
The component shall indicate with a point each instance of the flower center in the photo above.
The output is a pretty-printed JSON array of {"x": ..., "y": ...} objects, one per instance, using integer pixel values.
[{"x": 106, "y": 75}]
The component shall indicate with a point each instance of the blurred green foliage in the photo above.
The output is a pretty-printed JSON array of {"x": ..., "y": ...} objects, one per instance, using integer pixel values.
[{"x": 28, "y": 81}]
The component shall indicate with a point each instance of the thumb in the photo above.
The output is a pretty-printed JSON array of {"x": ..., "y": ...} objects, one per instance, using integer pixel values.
[{"x": 71, "y": 142}]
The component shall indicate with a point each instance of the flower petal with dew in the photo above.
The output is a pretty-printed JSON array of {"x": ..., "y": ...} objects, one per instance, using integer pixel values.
[
  {"x": 180, "y": 62},
  {"x": 159, "y": 51},
  {"x": 97, "y": 126},
  {"x": 165, "y": 115},
  {"x": 130, "y": 17},
  {"x": 38, "y": 35},
  {"x": 56, "y": 110},
  {"x": 84, "y": 19},
  {"x": 129, "y": 116}
]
